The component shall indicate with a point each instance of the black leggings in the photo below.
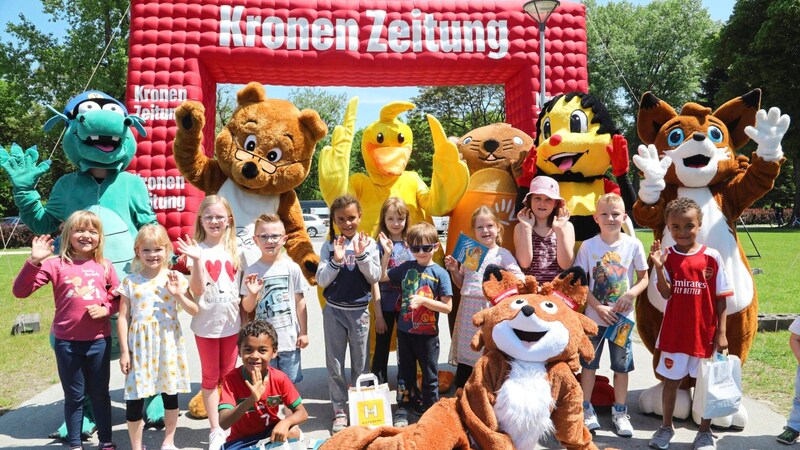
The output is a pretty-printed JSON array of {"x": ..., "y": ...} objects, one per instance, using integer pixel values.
[
  {"x": 463, "y": 372},
  {"x": 383, "y": 342},
  {"x": 133, "y": 408}
]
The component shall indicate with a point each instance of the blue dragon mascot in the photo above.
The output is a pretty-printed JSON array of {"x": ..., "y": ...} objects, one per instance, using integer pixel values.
[{"x": 100, "y": 143}]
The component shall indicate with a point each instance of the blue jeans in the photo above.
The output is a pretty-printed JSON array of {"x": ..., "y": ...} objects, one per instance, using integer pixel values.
[
  {"x": 794, "y": 415},
  {"x": 84, "y": 368},
  {"x": 248, "y": 442},
  {"x": 289, "y": 363},
  {"x": 621, "y": 357}
]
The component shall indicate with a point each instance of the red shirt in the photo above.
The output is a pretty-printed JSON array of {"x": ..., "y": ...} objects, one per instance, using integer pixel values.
[
  {"x": 690, "y": 319},
  {"x": 279, "y": 391}
]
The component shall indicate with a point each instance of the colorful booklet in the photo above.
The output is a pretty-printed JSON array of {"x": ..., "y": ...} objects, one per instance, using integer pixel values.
[
  {"x": 620, "y": 332},
  {"x": 291, "y": 444},
  {"x": 469, "y": 252}
]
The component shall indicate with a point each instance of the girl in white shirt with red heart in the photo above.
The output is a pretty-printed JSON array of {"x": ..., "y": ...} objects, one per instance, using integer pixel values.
[{"x": 214, "y": 262}]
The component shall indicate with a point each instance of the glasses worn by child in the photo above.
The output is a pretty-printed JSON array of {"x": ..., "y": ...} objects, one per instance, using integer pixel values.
[
  {"x": 392, "y": 235},
  {"x": 213, "y": 260},
  {"x": 610, "y": 260},
  {"x": 349, "y": 266},
  {"x": 544, "y": 231},
  {"x": 274, "y": 287},
  {"x": 148, "y": 314},
  {"x": 486, "y": 229},
  {"x": 251, "y": 394},
  {"x": 83, "y": 291},
  {"x": 692, "y": 278},
  {"x": 426, "y": 292}
]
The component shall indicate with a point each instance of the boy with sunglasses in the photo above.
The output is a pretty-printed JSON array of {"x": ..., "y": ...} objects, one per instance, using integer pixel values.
[
  {"x": 426, "y": 292},
  {"x": 274, "y": 287}
]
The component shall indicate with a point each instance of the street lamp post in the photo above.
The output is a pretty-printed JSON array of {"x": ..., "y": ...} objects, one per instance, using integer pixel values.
[{"x": 540, "y": 11}]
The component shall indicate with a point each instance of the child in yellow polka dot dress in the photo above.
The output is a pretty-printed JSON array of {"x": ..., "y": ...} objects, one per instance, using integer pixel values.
[{"x": 153, "y": 355}]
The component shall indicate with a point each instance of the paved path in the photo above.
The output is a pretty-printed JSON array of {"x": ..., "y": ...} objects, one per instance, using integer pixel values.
[{"x": 28, "y": 425}]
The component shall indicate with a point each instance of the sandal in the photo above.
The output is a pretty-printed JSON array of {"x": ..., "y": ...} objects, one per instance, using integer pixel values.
[{"x": 339, "y": 422}]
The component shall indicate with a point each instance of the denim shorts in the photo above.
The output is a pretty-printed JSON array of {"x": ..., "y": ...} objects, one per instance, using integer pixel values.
[
  {"x": 289, "y": 363},
  {"x": 621, "y": 357}
]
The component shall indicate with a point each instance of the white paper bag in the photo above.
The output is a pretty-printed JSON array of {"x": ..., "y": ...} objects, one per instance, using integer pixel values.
[
  {"x": 718, "y": 391},
  {"x": 370, "y": 406}
]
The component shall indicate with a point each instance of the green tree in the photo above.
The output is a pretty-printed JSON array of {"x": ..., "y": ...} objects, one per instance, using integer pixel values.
[
  {"x": 225, "y": 105},
  {"x": 38, "y": 69},
  {"x": 331, "y": 109},
  {"x": 759, "y": 47},
  {"x": 459, "y": 109},
  {"x": 658, "y": 47}
]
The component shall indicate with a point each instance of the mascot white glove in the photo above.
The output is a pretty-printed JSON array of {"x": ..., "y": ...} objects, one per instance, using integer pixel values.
[
  {"x": 654, "y": 171},
  {"x": 768, "y": 133}
]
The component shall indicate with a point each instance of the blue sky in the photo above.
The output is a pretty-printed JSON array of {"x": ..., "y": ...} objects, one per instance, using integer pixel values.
[{"x": 370, "y": 99}]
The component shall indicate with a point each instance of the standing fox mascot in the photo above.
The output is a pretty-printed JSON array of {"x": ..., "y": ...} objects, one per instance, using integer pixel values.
[{"x": 693, "y": 154}]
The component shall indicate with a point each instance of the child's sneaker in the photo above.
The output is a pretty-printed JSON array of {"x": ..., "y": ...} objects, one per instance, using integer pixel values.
[
  {"x": 107, "y": 446},
  {"x": 788, "y": 436},
  {"x": 216, "y": 439},
  {"x": 339, "y": 422},
  {"x": 590, "y": 418},
  {"x": 704, "y": 441},
  {"x": 662, "y": 437},
  {"x": 400, "y": 418},
  {"x": 622, "y": 421}
]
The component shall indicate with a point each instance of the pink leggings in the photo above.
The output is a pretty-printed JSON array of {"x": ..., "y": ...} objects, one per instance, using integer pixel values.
[{"x": 217, "y": 357}]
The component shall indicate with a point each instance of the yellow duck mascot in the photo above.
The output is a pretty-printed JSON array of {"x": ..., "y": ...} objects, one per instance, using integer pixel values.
[{"x": 386, "y": 147}]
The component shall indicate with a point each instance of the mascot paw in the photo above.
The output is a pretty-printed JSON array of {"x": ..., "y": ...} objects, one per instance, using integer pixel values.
[
  {"x": 197, "y": 409},
  {"x": 191, "y": 117},
  {"x": 736, "y": 421},
  {"x": 310, "y": 268},
  {"x": 654, "y": 171},
  {"x": 23, "y": 167},
  {"x": 768, "y": 133},
  {"x": 650, "y": 402}
]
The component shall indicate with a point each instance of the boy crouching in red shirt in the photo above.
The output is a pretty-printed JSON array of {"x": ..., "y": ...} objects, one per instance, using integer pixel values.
[{"x": 249, "y": 401}]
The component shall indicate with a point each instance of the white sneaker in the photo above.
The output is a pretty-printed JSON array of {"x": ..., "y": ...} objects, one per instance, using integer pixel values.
[
  {"x": 622, "y": 421},
  {"x": 590, "y": 418},
  {"x": 216, "y": 439}
]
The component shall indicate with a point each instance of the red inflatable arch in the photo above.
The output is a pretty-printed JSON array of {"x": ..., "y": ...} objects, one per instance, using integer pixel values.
[{"x": 181, "y": 51}]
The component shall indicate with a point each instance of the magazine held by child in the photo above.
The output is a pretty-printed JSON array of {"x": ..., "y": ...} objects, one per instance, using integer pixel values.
[
  {"x": 469, "y": 252},
  {"x": 620, "y": 332}
]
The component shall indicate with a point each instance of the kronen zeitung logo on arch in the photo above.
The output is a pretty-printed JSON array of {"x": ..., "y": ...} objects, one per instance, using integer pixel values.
[{"x": 422, "y": 33}]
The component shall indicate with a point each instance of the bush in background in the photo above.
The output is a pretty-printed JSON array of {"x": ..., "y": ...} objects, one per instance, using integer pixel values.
[
  {"x": 763, "y": 216},
  {"x": 15, "y": 236}
]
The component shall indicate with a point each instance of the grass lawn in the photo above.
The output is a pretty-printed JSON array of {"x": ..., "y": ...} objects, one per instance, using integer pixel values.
[
  {"x": 27, "y": 365},
  {"x": 768, "y": 374}
]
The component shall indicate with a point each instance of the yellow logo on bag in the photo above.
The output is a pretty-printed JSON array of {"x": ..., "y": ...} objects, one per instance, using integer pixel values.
[{"x": 370, "y": 412}]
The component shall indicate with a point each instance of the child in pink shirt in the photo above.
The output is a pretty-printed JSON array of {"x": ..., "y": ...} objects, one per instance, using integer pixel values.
[{"x": 83, "y": 286}]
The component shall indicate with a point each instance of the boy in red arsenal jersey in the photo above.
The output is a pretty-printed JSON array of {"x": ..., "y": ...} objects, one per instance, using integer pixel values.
[
  {"x": 692, "y": 278},
  {"x": 252, "y": 393}
]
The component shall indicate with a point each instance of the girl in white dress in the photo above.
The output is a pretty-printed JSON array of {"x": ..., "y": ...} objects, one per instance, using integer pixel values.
[
  {"x": 152, "y": 351},
  {"x": 487, "y": 230}
]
